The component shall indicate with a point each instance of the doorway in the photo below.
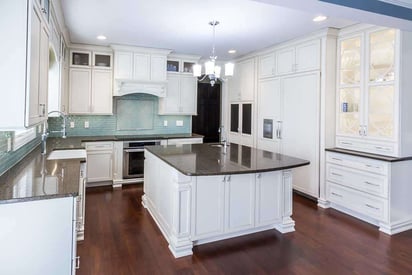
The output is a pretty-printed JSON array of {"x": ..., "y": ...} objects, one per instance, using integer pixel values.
[{"x": 207, "y": 121}]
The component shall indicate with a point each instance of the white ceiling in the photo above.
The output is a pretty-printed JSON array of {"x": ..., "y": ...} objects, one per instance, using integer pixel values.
[{"x": 182, "y": 25}]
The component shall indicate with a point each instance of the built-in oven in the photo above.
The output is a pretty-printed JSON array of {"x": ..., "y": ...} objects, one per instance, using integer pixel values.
[{"x": 133, "y": 157}]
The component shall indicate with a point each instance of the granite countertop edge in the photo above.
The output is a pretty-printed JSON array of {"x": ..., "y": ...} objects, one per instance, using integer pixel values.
[{"x": 368, "y": 155}]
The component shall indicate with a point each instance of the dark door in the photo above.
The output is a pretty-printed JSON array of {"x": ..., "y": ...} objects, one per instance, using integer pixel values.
[{"x": 207, "y": 121}]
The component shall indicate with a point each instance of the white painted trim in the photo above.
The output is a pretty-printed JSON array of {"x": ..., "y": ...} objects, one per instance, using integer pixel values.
[{"x": 146, "y": 50}]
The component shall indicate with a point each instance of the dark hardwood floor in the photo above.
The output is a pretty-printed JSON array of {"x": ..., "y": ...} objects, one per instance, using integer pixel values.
[{"x": 122, "y": 238}]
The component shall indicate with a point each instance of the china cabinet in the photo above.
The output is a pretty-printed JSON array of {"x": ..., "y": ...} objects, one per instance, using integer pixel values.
[{"x": 373, "y": 81}]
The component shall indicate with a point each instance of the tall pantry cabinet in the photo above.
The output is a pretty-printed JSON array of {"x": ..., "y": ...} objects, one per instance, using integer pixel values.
[{"x": 293, "y": 117}]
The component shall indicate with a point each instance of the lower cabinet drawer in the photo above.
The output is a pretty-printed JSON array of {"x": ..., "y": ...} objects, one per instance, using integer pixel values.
[
  {"x": 368, "y": 205},
  {"x": 363, "y": 181}
]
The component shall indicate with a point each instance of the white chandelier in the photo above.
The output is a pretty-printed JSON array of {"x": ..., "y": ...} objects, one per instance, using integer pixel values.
[{"x": 211, "y": 69}]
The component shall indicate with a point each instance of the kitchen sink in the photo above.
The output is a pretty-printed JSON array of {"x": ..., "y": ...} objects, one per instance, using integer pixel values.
[{"x": 67, "y": 154}]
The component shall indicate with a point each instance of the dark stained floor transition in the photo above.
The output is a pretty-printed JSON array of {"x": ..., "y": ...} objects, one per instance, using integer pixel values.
[{"x": 122, "y": 238}]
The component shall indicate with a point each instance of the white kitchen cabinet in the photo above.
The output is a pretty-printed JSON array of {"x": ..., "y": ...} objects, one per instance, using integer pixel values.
[
  {"x": 369, "y": 189},
  {"x": 25, "y": 64},
  {"x": 99, "y": 161},
  {"x": 140, "y": 64},
  {"x": 90, "y": 86},
  {"x": 43, "y": 233},
  {"x": 269, "y": 114},
  {"x": 242, "y": 84},
  {"x": 239, "y": 188},
  {"x": 81, "y": 203},
  {"x": 209, "y": 201},
  {"x": 181, "y": 63},
  {"x": 267, "y": 65},
  {"x": 300, "y": 58},
  {"x": 181, "y": 96},
  {"x": 373, "y": 66},
  {"x": 268, "y": 211},
  {"x": 285, "y": 103},
  {"x": 241, "y": 123}
]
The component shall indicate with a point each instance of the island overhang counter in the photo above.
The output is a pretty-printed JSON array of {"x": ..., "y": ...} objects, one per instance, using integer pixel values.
[{"x": 200, "y": 193}]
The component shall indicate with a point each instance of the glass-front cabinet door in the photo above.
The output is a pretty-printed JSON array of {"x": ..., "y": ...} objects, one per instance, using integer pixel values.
[
  {"x": 349, "y": 88},
  {"x": 381, "y": 85}
]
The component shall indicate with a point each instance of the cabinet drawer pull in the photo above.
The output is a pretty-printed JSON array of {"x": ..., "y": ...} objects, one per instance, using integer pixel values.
[
  {"x": 336, "y": 174},
  {"x": 371, "y": 206},
  {"x": 370, "y": 183},
  {"x": 346, "y": 143},
  {"x": 371, "y": 166},
  {"x": 77, "y": 262},
  {"x": 228, "y": 179},
  {"x": 337, "y": 195},
  {"x": 224, "y": 179},
  {"x": 258, "y": 176},
  {"x": 337, "y": 159}
]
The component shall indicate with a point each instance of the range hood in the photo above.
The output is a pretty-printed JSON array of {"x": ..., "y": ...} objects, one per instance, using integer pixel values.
[{"x": 127, "y": 86}]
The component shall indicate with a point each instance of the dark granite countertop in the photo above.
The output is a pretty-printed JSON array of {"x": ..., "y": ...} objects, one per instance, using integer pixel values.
[
  {"x": 206, "y": 159},
  {"x": 367, "y": 155},
  {"x": 35, "y": 177}
]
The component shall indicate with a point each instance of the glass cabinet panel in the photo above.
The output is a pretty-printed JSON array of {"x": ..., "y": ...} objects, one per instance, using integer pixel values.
[
  {"x": 102, "y": 60},
  {"x": 350, "y": 64},
  {"x": 80, "y": 59},
  {"x": 349, "y": 117},
  {"x": 234, "y": 118},
  {"x": 381, "y": 111},
  {"x": 172, "y": 66},
  {"x": 188, "y": 67},
  {"x": 382, "y": 55},
  {"x": 247, "y": 118}
]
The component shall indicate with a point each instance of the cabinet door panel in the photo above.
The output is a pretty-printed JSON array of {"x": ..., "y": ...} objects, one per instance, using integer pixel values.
[
  {"x": 123, "y": 66},
  {"x": 102, "y": 92},
  {"x": 268, "y": 187},
  {"x": 208, "y": 206},
  {"x": 240, "y": 188},
  {"x": 99, "y": 166},
  {"x": 172, "y": 101},
  {"x": 188, "y": 94},
  {"x": 308, "y": 56},
  {"x": 285, "y": 60},
  {"x": 267, "y": 65},
  {"x": 80, "y": 89},
  {"x": 381, "y": 110},
  {"x": 43, "y": 72},
  {"x": 350, "y": 61},
  {"x": 247, "y": 79},
  {"x": 35, "y": 49},
  {"x": 300, "y": 128},
  {"x": 141, "y": 66},
  {"x": 158, "y": 68}
]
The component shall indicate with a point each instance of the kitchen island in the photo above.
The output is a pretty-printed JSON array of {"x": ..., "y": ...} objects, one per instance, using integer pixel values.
[{"x": 202, "y": 193}]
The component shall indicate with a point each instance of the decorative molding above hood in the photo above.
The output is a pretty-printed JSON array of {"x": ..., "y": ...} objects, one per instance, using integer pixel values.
[{"x": 126, "y": 87}]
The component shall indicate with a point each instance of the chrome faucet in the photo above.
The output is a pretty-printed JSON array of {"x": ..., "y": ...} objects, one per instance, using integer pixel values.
[
  {"x": 46, "y": 131},
  {"x": 63, "y": 130}
]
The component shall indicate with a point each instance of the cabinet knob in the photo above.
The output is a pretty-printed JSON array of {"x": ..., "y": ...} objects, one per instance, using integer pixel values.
[{"x": 43, "y": 10}]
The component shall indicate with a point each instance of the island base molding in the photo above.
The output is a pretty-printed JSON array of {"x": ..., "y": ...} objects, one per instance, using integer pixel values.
[{"x": 194, "y": 210}]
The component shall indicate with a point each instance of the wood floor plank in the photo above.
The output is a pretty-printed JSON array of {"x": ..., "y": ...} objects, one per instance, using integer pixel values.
[{"x": 122, "y": 238}]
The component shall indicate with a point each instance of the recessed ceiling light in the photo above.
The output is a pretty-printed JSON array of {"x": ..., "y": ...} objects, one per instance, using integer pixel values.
[
  {"x": 231, "y": 51},
  {"x": 320, "y": 18},
  {"x": 101, "y": 37}
]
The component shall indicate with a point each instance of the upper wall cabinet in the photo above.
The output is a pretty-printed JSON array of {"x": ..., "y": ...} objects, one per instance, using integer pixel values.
[
  {"x": 90, "y": 82},
  {"x": 372, "y": 92},
  {"x": 24, "y": 65},
  {"x": 301, "y": 58},
  {"x": 242, "y": 84},
  {"x": 267, "y": 65},
  {"x": 141, "y": 64}
]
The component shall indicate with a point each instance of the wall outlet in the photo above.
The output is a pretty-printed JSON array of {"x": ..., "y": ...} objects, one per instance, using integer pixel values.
[
  {"x": 165, "y": 123},
  {"x": 86, "y": 124},
  {"x": 179, "y": 123},
  {"x": 71, "y": 124}
]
